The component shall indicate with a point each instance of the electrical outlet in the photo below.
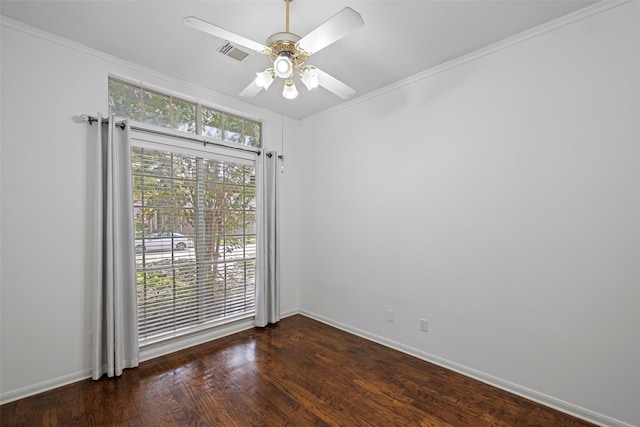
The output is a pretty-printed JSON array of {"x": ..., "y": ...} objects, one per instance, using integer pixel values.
[
  {"x": 88, "y": 339},
  {"x": 424, "y": 325},
  {"x": 391, "y": 316}
]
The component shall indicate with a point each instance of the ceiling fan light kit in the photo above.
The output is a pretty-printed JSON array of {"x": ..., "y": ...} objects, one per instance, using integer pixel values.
[
  {"x": 265, "y": 78},
  {"x": 289, "y": 91},
  {"x": 289, "y": 52},
  {"x": 309, "y": 77},
  {"x": 283, "y": 66}
]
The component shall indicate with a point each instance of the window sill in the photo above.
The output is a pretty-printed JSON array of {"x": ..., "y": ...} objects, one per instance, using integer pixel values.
[{"x": 167, "y": 345}]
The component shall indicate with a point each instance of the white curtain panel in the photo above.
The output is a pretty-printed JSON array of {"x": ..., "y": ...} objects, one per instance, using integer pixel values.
[
  {"x": 268, "y": 275},
  {"x": 115, "y": 325}
]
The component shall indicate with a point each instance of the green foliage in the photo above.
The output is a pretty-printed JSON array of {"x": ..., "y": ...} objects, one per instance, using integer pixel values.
[
  {"x": 183, "y": 115},
  {"x": 125, "y": 100},
  {"x": 143, "y": 105},
  {"x": 252, "y": 133},
  {"x": 166, "y": 187},
  {"x": 212, "y": 202},
  {"x": 212, "y": 122}
]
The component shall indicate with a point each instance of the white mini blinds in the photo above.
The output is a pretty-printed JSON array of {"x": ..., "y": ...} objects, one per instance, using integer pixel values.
[{"x": 195, "y": 237}]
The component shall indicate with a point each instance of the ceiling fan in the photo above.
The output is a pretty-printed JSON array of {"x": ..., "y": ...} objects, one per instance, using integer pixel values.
[{"x": 290, "y": 52}]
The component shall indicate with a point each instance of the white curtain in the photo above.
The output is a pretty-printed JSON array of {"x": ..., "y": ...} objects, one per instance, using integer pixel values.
[
  {"x": 115, "y": 325},
  {"x": 268, "y": 275}
]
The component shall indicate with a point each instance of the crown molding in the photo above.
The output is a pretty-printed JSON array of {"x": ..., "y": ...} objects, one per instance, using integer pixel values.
[
  {"x": 234, "y": 106},
  {"x": 579, "y": 15},
  {"x": 203, "y": 95}
]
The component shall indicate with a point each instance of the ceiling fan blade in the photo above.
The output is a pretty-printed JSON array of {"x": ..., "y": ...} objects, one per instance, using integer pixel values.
[
  {"x": 214, "y": 30},
  {"x": 334, "y": 85},
  {"x": 251, "y": 90},
  {"x": 332, "y": 30}
]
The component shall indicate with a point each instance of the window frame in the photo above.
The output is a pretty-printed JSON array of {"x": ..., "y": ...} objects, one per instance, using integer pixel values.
[
  {"x": 146, "y": 136},
  {"x": 226, "y": 116}
]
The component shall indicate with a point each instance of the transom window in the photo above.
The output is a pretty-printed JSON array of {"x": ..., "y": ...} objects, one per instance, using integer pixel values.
[{"x": 162, "y": 109}]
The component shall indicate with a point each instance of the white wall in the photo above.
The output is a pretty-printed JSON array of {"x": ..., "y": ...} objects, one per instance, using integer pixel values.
[
  {"x": 500, "y": 200},
  {"x": 46, "y": 202}
]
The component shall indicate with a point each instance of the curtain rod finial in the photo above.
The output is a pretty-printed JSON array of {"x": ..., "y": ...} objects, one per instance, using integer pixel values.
[{"x": 85, "y": 118}]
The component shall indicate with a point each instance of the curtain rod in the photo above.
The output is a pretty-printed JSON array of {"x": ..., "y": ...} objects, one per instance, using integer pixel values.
[
  {"x": 93, "y": 119},
  {"x": 86, "y": 118}
]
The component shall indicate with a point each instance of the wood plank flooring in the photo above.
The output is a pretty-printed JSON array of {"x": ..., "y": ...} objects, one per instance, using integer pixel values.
[{"x": 297, "y": 373}]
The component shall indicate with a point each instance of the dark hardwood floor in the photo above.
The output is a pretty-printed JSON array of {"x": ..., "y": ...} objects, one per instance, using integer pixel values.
[{"x": 297, "y": 373}]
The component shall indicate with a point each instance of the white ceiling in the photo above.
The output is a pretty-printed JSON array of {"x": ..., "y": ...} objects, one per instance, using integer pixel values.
[{"x": 399, "y": 38}]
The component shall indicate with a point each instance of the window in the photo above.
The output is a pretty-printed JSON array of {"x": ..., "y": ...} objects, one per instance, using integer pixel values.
[
  {"x": 151, "y": 106},
  {"x": 194, "y": 212},
  {"x": 195, "y": 226}
]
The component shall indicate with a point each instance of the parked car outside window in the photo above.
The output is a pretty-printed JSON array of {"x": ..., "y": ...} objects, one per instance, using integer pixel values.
[{"x": 165, "y": 241}]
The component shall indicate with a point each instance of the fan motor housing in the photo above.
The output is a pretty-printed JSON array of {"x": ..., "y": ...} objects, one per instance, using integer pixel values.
[{"x": 284, "y": 43}]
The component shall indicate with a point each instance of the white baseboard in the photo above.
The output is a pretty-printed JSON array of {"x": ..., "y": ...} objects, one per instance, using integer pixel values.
[
  {"x": 148, "y": 353},
  {"x": 44, "y": 386},
  {"x": 245, "y": 324},
  {"x": 289, "y": 313},
  {"x": 550, "y": 401}
]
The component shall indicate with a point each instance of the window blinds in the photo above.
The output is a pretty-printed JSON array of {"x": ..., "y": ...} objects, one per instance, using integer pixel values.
[{"x": 195, "y": 238}]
